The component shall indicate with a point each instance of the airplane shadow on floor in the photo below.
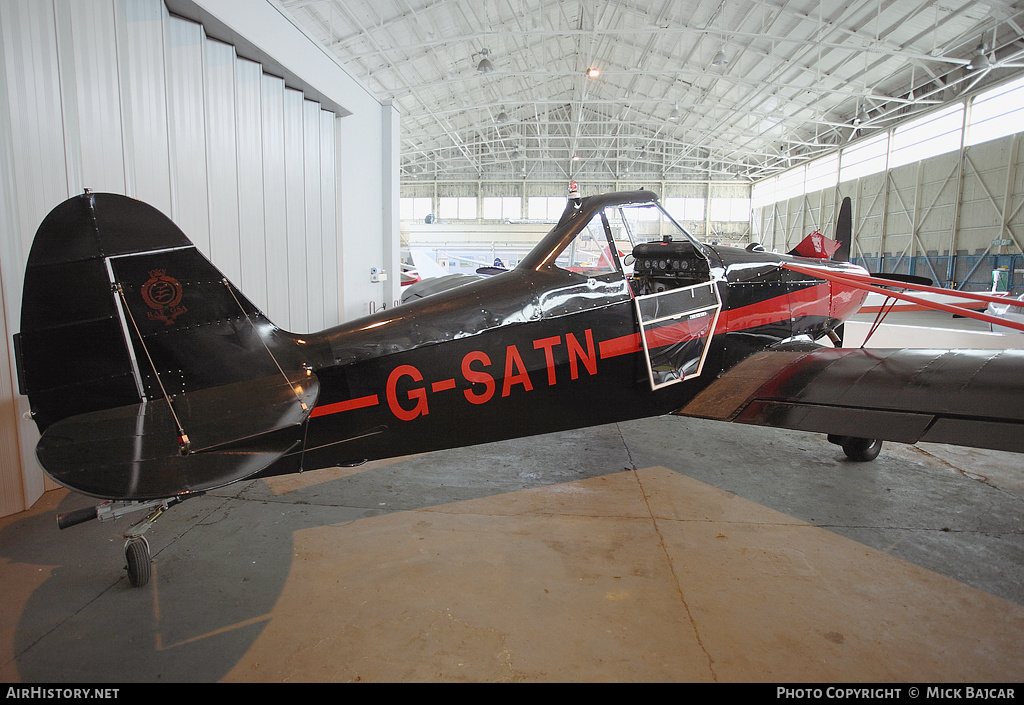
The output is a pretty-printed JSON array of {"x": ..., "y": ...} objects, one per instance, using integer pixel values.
[{"x": 222, "y": 560}]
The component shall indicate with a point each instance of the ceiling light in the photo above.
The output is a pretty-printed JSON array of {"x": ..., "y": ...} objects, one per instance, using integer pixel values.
[
  {"x": 674, "y": 115},
  {"x": 861, "y": 117},
  {"x": 485, "y": 65},
  {"x": 593, "y": 73},
  {"x": 979, "y": 60},
  {"x": 575, "y": 157},
  {"x": 502, "y": 116},
  {"x": 720, "y": 59}
]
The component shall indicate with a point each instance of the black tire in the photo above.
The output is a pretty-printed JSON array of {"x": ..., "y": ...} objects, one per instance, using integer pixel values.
[
  {"x": 862, "y": 450},
  {"x": 136, "y": 552}
]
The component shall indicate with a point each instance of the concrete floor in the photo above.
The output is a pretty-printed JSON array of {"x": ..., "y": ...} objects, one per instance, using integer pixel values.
[{"x": 667, "y": 549}]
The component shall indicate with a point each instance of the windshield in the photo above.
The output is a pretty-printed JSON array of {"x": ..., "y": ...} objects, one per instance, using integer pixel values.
[
  {"x": 602, "y": 246},
  {"x": 601, "y": 231},
  {"x": 631, "y": 225},
  {"x": 590, "y": 252}
]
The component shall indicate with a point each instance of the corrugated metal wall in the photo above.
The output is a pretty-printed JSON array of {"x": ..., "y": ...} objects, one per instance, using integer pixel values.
[
  {"x": 912, "y": 219},
  {"x": 116, "y": 95}
]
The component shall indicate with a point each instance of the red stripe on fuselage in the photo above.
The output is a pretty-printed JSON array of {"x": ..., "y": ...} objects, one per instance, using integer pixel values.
[
  {"x": 347, "y": 405},
  {"x": 813, "y": 300},
  {"x": 625, "y": 345},
  {"x": 809, "y": 301}
]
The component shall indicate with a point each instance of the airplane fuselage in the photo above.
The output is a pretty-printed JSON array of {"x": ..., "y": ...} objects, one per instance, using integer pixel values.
[
  {"x": 533, "y": 351},
  {"x": 193, "y": 388}
]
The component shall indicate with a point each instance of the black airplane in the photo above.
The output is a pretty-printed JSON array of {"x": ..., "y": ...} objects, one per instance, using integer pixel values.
[{"x": 153, "y": 379}]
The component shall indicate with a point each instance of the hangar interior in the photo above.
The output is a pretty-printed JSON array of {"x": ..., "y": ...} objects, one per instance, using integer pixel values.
[{"x": 307, "y": 146}]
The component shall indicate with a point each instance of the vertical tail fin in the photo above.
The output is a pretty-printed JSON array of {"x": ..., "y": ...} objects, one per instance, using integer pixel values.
[
  {"x": 118, "y": 304},
  {"x": 844, "y": 231}
]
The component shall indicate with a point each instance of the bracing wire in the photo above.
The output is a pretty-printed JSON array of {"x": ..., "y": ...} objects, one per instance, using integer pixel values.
[
  {"x": 231, "y": 291},
  {"x": 183, "y": 442}
]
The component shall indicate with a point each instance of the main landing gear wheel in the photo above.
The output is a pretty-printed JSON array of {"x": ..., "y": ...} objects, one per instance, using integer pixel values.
[
  {"x": 859, "y": 450},
  {"x": 862, "y": 450},
  {"x": 136, "y": 553}
]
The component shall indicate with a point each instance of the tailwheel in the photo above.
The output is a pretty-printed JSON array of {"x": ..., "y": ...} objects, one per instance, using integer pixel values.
[
  {"x": 136, "y": 553},
  {"x": 136, "y": 548}
]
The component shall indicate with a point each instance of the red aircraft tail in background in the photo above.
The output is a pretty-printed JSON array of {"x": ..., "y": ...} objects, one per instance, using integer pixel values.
[{"x": 816, "y": 246}]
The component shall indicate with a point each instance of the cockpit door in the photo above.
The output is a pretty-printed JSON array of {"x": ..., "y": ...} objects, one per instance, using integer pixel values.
[{"x": 676, "y": 327}]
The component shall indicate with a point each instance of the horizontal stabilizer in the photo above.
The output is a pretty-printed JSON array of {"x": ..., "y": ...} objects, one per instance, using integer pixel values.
[
  {"x": 133, "y": 452},
  {"x": 964, "y": 397}
]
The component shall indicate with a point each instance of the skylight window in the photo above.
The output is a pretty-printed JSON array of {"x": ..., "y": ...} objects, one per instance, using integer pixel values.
[
  {"x": 730, "y": 209},
  {"x": 996, "y": 113},
  {"x": 414, "y": 208},
  {"x": 457, "y": 207},
  {"x": 822, "y": 173},
  {"x": 867, "y": 157},
  {"x": 691, "y": 209},
  {"x": 790, "y": 184},
  {"x": 935, "y": 133},
  {"x": 545, "y": 207},
  {"x": 502, "y": 208}
]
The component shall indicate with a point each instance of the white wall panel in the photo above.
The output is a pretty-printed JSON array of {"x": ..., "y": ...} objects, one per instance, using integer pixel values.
[
  {"x": 34, "y": 179},
  {"x": 313, "y": 197},
  {"x": 274, "y": 200},
  {"x": 937, "y": 202},
  {"x": 249, "y": 155},
  {"x": 187, "y": 114},
  {"x": 222, "y": 157},
  {"x": 329, "y": 219},
  {"x": 144, "y": 91},
  {"x": 29, "y": 44},
  {"x": 360, "y": 245},
  {"x": 15, "y": 493},
  {"x": 91, "y": 96},
  {"x": 295, "y": 209},
  {"x": 117, "y": 95}
]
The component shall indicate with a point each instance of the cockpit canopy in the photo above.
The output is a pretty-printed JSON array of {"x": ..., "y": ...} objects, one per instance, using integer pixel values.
[{"x": 623, "y": 234}]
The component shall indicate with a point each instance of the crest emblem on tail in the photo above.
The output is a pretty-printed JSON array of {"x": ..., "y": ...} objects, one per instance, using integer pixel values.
[{"x": 162, "y": 294}]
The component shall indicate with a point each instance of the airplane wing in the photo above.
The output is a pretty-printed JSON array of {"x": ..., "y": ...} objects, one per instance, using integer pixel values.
[{"x": 965, "y": 397}]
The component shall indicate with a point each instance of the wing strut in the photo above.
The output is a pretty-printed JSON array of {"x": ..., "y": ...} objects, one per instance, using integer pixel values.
[{"x": 862, "y": 283}]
